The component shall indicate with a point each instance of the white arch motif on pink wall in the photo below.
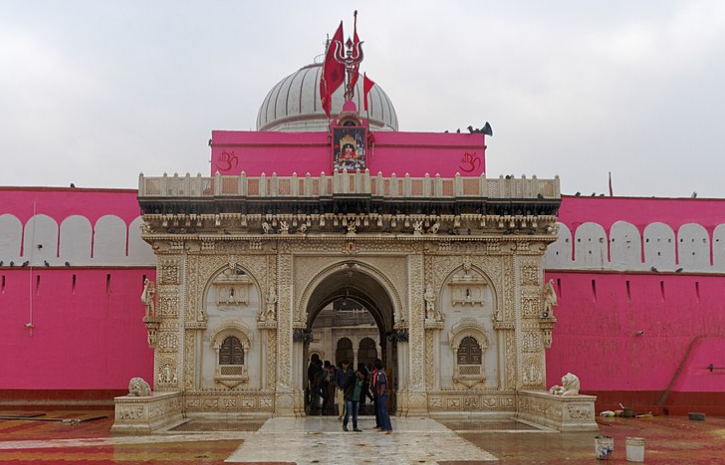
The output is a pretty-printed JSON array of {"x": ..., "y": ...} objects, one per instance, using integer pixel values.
[
  {"x": 558, "y": 253},
  {"x": 139, "y": 251},
  {"x": 109, "y": 241},
  {"x": 590, "y": 247},
  {"x": 693, "y": 247},
  {"x": 625, "y": 247},
  {"x": 659, "y": 246},
  {"x": 11, "y": 238},
  {"x": 75, "y": 240},
  {"x": 40, "y": 241},
  {"x": 718, "y": 248}
]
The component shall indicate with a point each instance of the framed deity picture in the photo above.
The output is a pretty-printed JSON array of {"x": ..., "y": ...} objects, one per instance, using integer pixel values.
[{"x": 349, "y": 145}]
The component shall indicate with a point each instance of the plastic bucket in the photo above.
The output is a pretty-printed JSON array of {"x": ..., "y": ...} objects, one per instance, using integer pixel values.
[
  {"x": 604, "y": 447},
  {"x": 635, "y": 449}
]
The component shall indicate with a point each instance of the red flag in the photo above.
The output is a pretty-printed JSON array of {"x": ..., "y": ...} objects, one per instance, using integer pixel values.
[
  {"x": 367, "y": 85},
  {"x": 333, "y": 73}
]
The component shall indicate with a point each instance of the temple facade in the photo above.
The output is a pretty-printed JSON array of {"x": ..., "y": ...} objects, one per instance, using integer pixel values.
[{"x": 451, "y": 270}]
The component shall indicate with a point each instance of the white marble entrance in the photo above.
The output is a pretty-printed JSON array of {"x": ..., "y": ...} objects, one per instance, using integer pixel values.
[{"x": 321, "y": 440}]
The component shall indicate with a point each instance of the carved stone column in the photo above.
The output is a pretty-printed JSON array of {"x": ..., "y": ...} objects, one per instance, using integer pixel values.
[
  {"x": 284, "y": 405},
  {"x": 417, "y": 395}
]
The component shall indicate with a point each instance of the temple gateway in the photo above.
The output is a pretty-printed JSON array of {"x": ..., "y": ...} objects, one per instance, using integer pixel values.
[{"x": 447, "y": 261}]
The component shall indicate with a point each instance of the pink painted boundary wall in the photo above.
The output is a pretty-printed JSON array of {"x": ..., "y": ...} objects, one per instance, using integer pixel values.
[
  {"x": 88, "y": 338},
  {"x": 60, "y": 203},
  {"x": 639, "y": 211},
  {"x": 416, "y": 154},
  {"x": 597, "y": 338},
  {"x": 682, "y": 315}
]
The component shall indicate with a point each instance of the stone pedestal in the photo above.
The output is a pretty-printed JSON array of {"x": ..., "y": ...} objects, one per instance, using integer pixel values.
[
  {"x": 564, "y": 413},
  {"x": 144, "y": 415}
]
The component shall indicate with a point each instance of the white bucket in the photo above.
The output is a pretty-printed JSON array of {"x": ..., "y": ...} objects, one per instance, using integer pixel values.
[
  {"x": 604, "y": 447},
  {"x": 635, "y": 449}
]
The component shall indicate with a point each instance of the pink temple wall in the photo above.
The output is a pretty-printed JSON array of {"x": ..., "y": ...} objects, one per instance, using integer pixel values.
[
  {"x": 416, "y": 154},
  {"x": 60, "y": 203},
  {"x": 641, "y": 211},
  {"x": 87, "y": 337},
  {"x": 601, "y": 312},
  {"x": 90, "y": 337}
]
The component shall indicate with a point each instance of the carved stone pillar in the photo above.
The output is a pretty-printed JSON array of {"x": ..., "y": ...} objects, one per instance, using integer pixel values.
[
  {"x": 284, "y": 405},
  {"x": 417, "y": 395}
]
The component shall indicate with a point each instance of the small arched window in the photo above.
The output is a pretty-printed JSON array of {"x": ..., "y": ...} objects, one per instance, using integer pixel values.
[
  {"x": 469, "y": 352},
  {"x": 231, "y": 352}
]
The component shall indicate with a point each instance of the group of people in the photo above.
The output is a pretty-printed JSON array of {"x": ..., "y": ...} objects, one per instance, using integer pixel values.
[{"x": 325, "y": 383}]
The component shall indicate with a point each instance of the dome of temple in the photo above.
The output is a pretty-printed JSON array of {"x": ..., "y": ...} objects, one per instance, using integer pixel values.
[{"x": 294, "y": 105}]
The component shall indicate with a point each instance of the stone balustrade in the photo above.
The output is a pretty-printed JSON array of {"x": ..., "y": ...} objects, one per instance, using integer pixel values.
[{"x": 350, "y": 183}]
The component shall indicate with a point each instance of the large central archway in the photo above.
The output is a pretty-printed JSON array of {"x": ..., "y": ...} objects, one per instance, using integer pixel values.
[{"x": 350, "y": 315}]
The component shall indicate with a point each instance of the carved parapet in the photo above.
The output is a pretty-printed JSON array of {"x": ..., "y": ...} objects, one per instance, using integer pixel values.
[
  {"x": 144, "y": 415},
  {"x": 564, "y": 413},
  {"x": 152, "y": 326}
]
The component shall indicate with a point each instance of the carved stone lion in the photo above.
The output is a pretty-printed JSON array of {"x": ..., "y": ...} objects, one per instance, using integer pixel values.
[
  {"x": 139, "y": 388},
  {"x": 569, "y": 387}
]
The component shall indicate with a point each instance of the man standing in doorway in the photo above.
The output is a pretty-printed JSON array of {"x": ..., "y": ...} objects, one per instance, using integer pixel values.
[
  {"x": 341, "y": 376},
  {"x": 353, "y": 390},
  {"x": 382, "y": 390}
]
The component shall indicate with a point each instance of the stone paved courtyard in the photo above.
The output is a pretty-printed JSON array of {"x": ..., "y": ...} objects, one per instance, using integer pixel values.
[{"x": 669, "y": 440}]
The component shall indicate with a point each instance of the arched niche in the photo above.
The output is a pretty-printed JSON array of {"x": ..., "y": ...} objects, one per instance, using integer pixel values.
[
  {"x": 40, "y": 241},
  {"x": 367, "y": 351},
  {"x": 693, "y": 247},
  {"x": 76, "y": 235},
  {"x": 471, "y": 335},
  {"x": 109, "y": 241},
  {"x": 139, "y": 251},
  {"x": 11, "y": 239},
  {"x": 231, "y": 370},
  {"x": 558, "y": 254},
  {"x": 718, "y": 248},
  {"x": 659, "y": 247},
  {"x": 228, "y": 314},
  {"x": 625, "y": 247},
  {"x": 456, "y": 316},
  {"x": 344, "y": 351},
  {"x": 590, "y": 247}
]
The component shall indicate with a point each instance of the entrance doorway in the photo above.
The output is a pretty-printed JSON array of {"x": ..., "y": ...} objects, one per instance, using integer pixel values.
[{"x": 350, "y": 316}]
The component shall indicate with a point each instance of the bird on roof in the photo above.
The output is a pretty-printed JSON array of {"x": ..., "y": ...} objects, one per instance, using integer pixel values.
[{"x": 487, "y": 129}]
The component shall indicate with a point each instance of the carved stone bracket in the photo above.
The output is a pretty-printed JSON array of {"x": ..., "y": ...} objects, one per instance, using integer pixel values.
[
  {"x": 152, "y": 326},
  {"x": 546, "y": 325}
]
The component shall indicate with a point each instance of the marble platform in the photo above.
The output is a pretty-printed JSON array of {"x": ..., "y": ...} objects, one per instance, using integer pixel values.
[{"x": 321, "y": 439}]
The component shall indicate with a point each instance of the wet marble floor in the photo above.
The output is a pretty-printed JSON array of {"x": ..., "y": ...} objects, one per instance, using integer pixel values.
[
  {"x": 305, "y": 440},
  {"x": 669, "y": 440}
]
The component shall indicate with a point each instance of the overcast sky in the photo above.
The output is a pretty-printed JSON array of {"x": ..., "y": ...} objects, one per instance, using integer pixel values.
[{"x": 95, "y": 92}]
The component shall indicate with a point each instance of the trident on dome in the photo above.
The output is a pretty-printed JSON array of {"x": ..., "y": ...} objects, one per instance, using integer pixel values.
[{"x": 350, "y": 59}]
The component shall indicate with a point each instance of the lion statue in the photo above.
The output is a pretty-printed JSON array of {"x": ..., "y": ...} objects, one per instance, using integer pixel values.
[
  {"x": 139, "y": 388},
  {"x": 569, "y": 386}
]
